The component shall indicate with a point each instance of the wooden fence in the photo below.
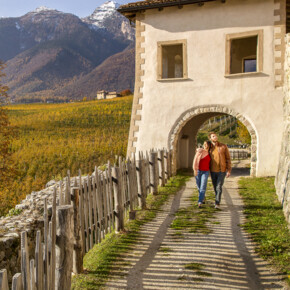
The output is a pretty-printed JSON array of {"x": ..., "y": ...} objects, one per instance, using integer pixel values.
[
  {"x": 239, "y": 154},
  {"x": 82, "y": 214}
]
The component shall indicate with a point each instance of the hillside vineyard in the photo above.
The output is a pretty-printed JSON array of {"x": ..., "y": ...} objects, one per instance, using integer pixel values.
[{"x": 54, "y": 138}]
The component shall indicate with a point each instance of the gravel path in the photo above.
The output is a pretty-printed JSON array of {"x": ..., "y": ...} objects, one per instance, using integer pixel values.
[{"x": 226, "y": 255}]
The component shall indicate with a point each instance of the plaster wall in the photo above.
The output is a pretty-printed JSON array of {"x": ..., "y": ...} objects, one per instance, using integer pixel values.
[{"x": 254, "y": 96}]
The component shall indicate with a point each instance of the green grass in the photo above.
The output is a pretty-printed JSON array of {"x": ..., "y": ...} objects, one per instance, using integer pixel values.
[
  {"x": 193, "y": 219},
  {"x": 99, "y": 261},
  {"x": 197, "y": 267},
  {"x": 194, "y": 266},
  {"x": 165, "y": 249},
  {"x": 266, "y": 222}
]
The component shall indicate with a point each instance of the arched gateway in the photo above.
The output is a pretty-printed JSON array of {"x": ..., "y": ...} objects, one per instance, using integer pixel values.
[
  {"x": 188, "y": 125},
  {"x": 197, "y": 59}
]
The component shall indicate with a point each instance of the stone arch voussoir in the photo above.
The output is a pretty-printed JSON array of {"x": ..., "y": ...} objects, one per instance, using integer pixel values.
[{"x": 195, "y": 111}]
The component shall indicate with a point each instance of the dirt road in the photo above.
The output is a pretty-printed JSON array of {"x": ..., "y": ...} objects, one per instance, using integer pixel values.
[{"x": 223, "y": 259}]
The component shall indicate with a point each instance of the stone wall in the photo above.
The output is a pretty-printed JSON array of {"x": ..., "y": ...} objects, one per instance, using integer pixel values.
[
  {"x": 282, "y": 178},
  {"x": 31, "y": 220}
]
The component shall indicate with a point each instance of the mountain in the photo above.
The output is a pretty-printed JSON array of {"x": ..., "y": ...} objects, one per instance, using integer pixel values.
[
  {"x": 106, "y": 18},
  {"x": 116, "y": 73},
  {"x": 47, "y": 50}
]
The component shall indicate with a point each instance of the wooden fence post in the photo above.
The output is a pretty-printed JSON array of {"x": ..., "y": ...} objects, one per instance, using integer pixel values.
[
  {"x": 90, "y": 208},
  {"x": 32, "y": 276},
  {"x": 105, "y": 204},
  {"x": 77, "y": 251},
  {"x": 64, "y": 246},
  {"x": 166, "y": 164},
  {"x": 86, "y": 217},
  {"x": 39, "y": 261},
  {"x": 141, "y": 183},
  {"x": 16, "y": 282},
  {"x": 53, "y": 238},
  {"x": 170, "y": 173},
  {"x": 135, "y": 185},
  {"x": 99, "y": 191},
  {"x": 3, "y": 280},
  {"x": 45, "y": 234},
  {"x": 153, "y": 170},
  {"x": 161, "y": 167},
  {"x": 81, "y": 214},
  {"x": 95, "y": 226},
  {"x": 25, "y": 262},
  {"x": 68, "y": 187},
  {"x": 118, "y": 200},
  {"x": 147, "y": 174},
  {"x": 132, "y": 212},
  {"x": 61, "y": 198},
  {"x": 111, "y": 194}
]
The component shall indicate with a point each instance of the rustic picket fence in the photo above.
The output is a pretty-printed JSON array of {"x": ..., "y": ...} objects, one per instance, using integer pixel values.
[
  {"x": 82, "y": 214},
  {"x": 239, "y": 154}
]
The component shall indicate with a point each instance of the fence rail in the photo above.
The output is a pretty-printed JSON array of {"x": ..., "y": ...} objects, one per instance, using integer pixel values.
[
  {"x": 82, "y": 214},
  {"x": 239, "y": 154}
]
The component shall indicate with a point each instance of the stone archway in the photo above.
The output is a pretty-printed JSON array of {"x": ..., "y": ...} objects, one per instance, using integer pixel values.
[{"x": 207, "y": 112}]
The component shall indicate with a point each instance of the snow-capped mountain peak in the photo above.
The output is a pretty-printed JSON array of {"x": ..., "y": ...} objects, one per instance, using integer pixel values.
[
  {"x": 42, "y": 9},
  {"x": 102, "y": 12}
]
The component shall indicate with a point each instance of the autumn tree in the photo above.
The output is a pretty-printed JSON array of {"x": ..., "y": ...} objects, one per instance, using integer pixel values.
[
  {"x": 243, "y": 133},
  {"x": 126, "y": 92}
]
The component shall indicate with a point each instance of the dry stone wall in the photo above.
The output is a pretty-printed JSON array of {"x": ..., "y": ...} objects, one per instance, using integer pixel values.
[
  {"x": 31, "y": 220},
  {"x": 282, "y": 178}
]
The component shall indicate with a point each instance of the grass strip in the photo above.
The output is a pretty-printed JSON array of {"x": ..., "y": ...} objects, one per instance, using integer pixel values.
[
  {"x": 194, "y": 266},
  {"x": 193, "y": 219},
  {"x": 100, "y": 260},
  {"x": 266, "y": 222}
]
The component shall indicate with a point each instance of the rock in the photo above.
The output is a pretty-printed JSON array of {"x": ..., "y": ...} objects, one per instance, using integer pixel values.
[
  {"x": 50, "y": 183},
  {"x": 22, "y": 206}
]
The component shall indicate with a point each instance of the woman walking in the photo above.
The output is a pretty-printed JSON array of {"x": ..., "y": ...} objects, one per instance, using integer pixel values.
[{"x": 201, "y": 166}]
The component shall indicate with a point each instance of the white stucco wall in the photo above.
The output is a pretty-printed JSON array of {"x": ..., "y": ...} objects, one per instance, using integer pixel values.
[{"x": 205, "y": 29}]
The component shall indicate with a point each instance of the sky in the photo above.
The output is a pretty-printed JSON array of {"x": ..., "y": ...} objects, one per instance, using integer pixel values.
[{"x": 16, "y": 8}]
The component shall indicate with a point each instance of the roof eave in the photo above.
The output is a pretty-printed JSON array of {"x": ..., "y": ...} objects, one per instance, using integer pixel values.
[{"x": 126, "y": 11}]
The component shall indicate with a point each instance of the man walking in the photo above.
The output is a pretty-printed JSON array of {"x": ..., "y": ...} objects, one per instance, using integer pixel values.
[{"x": 220, "y": 166}]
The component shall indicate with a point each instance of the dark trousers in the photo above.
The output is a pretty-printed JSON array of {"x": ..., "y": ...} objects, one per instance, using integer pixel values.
[{"x": 218, "y": 179}]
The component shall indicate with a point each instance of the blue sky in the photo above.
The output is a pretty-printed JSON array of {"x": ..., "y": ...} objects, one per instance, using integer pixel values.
[{"x": 15, "y": 8}]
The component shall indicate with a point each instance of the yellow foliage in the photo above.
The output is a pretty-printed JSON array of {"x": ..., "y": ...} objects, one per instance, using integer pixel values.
[
  {"x": 243, "y": 133},
  {"x": 53, "y": 138}
]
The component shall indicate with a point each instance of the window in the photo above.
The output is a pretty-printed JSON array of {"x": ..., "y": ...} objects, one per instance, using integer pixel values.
[
  {"x": 244, "y": 52},
  {"x": 171, "y": 59}
]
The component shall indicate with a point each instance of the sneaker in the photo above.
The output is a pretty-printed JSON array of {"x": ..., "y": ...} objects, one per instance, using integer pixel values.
[
  {"x": 199, "y": 205},
  {"x": 216, "y": 206}
]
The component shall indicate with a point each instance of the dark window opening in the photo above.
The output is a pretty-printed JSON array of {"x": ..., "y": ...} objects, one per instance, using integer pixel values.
[
  {"x": 172, "y": 61},
  {"x": 244, "y": 55}
]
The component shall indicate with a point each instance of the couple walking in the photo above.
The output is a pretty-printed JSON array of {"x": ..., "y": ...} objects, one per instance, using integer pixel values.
[{"x": 213, "y": 158}]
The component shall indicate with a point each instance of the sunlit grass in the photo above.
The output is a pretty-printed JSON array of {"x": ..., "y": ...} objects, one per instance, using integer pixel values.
[{"x": 266, "y": 222}]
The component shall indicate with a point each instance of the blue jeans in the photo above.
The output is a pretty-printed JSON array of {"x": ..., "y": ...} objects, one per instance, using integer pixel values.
[
  {"x": 201, "y": 183},
  {"x": 218, "y": 179}
]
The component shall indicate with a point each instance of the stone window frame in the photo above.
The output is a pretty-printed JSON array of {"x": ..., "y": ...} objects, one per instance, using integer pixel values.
[
  {"x": 239, "y": 35},
  {"x": 159, "y": 58}
]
